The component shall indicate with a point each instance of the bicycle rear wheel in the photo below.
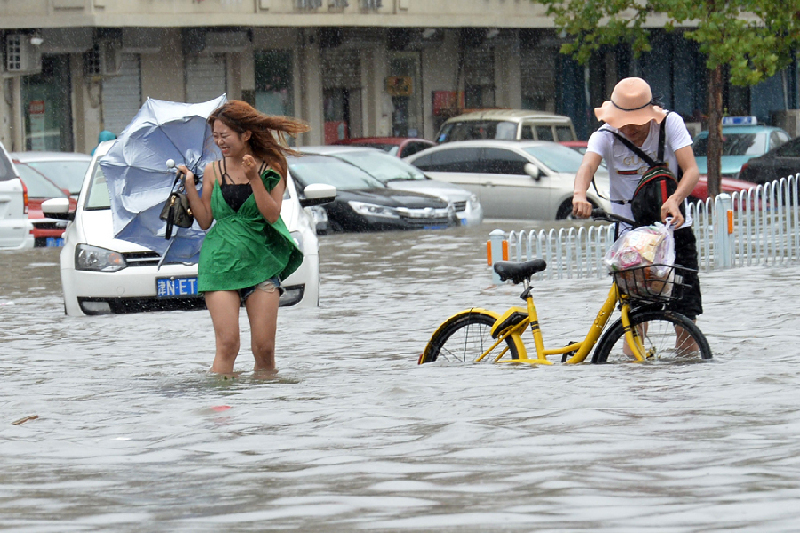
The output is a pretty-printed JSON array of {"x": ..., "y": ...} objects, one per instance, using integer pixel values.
[
  {"x": 466, "y": 336},
  {"x": 666, "y": 335}
]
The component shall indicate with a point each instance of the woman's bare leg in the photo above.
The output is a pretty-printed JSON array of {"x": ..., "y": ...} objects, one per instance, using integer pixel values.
[
  {"x": 224, "y": 309},
  {"x": 262, "y": 311}
]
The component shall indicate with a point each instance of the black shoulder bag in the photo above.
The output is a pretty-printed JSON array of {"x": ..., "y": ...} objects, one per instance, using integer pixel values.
[
  {"x": 176, "y": 211},
  {"x": 656, "y": 185}
]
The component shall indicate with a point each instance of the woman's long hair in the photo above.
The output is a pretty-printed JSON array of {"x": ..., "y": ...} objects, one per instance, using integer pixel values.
[{"x": 268, "y": 134}]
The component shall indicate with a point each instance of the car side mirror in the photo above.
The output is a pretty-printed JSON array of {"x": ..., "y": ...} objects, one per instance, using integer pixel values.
[
  {"x": 532, "y": 171},
  {"x": 318, "y": 193},
  {"x": 57, "y": 208}
]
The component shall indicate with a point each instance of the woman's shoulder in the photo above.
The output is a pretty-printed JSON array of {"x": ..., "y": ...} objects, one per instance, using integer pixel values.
[{"x": 211, "y": 171}]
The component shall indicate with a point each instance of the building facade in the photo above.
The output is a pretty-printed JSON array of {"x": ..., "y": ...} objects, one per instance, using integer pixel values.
[{"x": 351, "y": 68}]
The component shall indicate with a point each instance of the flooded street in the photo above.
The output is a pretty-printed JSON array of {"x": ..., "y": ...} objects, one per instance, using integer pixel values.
[{"x": 133, "y": 434}]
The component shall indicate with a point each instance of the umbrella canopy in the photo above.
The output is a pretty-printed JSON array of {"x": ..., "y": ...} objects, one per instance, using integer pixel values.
[{"x": 139, "y": 181}]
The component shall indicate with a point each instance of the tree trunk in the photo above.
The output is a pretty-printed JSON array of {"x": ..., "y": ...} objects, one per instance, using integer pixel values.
[{"x": 714, "y": 150}]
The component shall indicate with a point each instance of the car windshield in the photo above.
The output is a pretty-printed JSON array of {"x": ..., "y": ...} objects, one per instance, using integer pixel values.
[
  {"x": 734, "y": 144},
  {"x": 97, "y": 195},
  {"x": 310, "y": 169},
  {"x": 383, "y": 167},
  {"x": 66, "y": 174},
  {"x": 38, "y": 186},
  {"x": 479, "y": 129},
  {"x": 556, "y": 157}
]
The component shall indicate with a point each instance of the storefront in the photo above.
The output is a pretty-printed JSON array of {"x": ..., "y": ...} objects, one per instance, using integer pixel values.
[{"x": 45, "y": 99}]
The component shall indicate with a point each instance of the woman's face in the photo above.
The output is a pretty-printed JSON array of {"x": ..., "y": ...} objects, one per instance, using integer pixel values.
[
  {"x": 231, "y": 143},
  {"x": 637, "y": 133}
]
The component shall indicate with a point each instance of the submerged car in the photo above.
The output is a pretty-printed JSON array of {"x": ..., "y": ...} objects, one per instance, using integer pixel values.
[
  {"x": 365, "y": 204},
  {"x": 65, "y": 169},
  {"x": 15, "y": 228},
  {"x": 46, "y": 231},
  {"x": 514, "y": 179},
  {"x": 742, "y": 139},
  {"x": 103, "y": 274},
  {"x": 397, "y": 174}
]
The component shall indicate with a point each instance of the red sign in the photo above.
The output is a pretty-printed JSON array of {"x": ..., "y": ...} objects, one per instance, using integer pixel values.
[
  {"x": 447, "y": 100},
  {"x": 36, "y": 107}
]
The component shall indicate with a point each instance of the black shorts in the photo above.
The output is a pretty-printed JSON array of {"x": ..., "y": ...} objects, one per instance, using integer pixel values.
[{"x": 691, "y": 304}]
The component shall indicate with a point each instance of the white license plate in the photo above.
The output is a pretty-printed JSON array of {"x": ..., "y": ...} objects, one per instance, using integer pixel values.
[{"x": 176, "y": 287}]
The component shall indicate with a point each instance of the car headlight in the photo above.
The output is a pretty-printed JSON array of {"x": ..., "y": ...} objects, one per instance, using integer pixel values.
[
  {"x": 98, "y": 259},
  {"x": 373, "y": 210},
  {"x": 473, "y": 202}
]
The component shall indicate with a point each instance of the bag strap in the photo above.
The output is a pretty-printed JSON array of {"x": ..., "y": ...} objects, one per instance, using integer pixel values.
[{"x": 638, "y": 151}]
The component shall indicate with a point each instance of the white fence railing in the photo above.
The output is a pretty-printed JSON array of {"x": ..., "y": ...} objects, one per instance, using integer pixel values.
[{"x": 760, "y": 226}]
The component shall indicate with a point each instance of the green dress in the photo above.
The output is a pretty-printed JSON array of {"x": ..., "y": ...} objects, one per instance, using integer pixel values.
[{"x": 242, "y": 249}]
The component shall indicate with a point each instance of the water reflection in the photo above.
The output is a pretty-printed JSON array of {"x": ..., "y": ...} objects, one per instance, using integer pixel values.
[{"x": 133, "y": 434}]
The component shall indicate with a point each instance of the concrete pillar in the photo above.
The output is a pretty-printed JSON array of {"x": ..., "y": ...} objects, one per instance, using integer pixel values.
[
  {"x": 308, "y": 89},
  {"x": 377, "y": 103},
  {"x": 17, "y": 136},
  {"x": 3, "y": 113},
  {"x": 508, "y": 76},
  {"x": 163, "y": 73}
]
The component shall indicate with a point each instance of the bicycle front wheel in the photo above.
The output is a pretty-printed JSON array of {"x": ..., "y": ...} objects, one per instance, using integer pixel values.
[
  {"x": 466, "y": 337},
  {"x": 665, "y": 335}
]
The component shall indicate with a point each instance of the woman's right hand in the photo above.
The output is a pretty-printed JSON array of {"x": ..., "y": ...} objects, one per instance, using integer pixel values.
[{"x": 189, "y": 175}]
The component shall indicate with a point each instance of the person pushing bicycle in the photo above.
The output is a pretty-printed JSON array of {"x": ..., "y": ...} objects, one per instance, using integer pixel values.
[{"x": 629, "y": 142}]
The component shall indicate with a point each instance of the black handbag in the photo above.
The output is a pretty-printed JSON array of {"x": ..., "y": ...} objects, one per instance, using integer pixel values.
[{"x": 176, "y": 211}]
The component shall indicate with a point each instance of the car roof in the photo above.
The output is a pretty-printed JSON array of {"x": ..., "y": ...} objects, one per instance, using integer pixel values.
[
  {"x": 744, "y": 129},
  {"x": 339, "y": 149},
  {"x": 488, "y": 143},
  {"x": 382, "y": 140},
  {"x": 518, "y": 114},
  {"x": 27, "y": 157}
]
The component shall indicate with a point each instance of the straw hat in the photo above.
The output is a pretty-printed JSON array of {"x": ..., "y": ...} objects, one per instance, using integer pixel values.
[{"x": 630, "y": 103}]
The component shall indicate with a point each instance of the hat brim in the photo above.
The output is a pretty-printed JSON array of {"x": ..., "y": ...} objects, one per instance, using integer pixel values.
[{"x": 616, "y": 117}]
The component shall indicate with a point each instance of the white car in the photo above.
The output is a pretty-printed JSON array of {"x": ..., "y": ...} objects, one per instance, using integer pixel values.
[
  {"x": 513, "y": 179},
  {"x": 397, "y": 174},
  {"x": 16, "y": 231},
  {"x": 103, "y": 274}
]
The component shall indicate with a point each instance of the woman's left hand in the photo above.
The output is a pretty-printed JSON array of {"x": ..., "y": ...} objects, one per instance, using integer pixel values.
[{"x": 249, "y": 167}]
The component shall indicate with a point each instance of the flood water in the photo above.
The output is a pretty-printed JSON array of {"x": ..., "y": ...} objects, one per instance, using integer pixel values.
[{"x": 133, "y": 433}]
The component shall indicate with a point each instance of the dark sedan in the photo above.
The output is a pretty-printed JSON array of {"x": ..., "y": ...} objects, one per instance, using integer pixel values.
[
  {"x": 778, "y": 163},
  {"x": 363, "y": 203}
]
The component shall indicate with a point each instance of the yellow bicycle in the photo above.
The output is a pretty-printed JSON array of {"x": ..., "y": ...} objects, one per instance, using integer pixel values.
[{"x": 646, "y": 329}]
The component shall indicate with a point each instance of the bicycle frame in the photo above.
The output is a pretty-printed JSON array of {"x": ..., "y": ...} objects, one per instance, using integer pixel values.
[{"x": 581, "y": 349}]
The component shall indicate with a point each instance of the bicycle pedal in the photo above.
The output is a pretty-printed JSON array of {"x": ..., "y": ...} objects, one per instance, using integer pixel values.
[{"x": 568, "y": 354}]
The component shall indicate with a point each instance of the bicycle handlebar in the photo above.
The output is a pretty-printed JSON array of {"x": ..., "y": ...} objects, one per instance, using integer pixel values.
[{"x": 599, "y": 214}]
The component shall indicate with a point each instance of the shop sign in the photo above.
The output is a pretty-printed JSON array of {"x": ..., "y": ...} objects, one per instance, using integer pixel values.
[{"x": 399, "y": 85}]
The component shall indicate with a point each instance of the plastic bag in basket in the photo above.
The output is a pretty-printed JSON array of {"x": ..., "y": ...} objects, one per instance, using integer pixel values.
[{"x": 645, "y": 256}]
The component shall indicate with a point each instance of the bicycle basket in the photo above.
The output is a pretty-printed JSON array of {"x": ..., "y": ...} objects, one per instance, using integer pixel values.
[{"x": 651, "y": 283}]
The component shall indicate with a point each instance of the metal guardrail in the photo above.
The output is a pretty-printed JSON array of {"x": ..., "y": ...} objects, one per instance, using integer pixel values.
[{"x": 760, "y": 226}]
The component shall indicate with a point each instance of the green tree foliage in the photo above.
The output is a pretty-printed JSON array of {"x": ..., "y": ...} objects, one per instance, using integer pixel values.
[{"x": 753, "y": 38}]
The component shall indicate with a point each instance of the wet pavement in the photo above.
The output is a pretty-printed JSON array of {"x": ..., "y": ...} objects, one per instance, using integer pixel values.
[{"x": 133, "y": 434}]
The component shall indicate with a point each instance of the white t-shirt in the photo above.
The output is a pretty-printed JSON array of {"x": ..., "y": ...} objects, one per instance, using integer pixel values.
[{"x": 625, "y": 167}]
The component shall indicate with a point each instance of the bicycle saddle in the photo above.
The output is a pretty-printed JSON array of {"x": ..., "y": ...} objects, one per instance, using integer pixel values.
[{"x": 518, "y": 272}]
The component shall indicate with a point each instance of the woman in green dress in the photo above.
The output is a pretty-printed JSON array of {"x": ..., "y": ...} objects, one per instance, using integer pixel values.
[{"x": 249, "y": 250}]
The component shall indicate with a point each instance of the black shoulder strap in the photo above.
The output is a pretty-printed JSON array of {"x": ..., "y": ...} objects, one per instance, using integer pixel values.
[
  {"x": 662, "y": 134},
  {"x": 223, "y": 169}
]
